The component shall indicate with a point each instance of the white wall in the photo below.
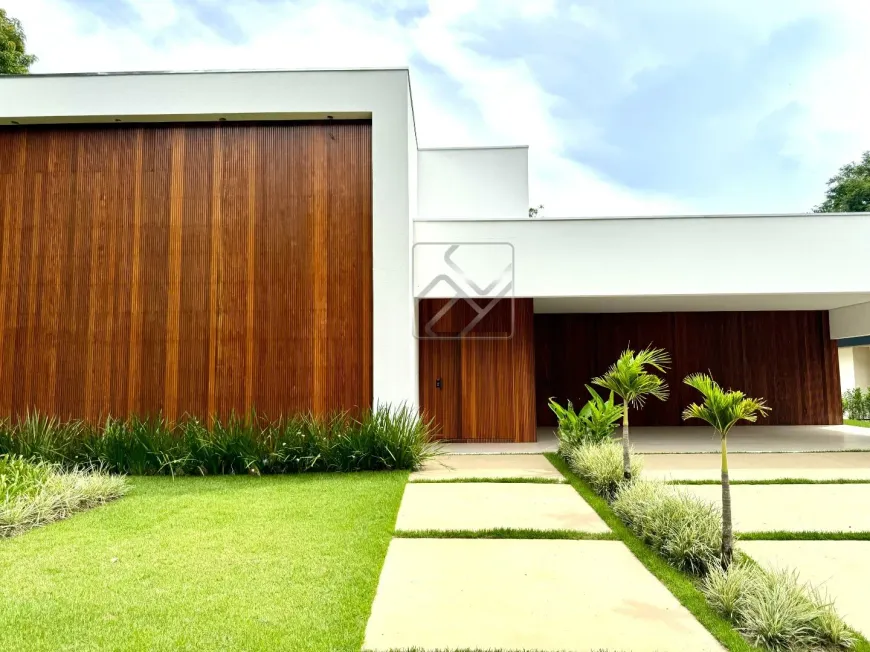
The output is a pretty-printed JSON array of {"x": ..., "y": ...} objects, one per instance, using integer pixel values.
[
  {"x": 847, "y": 368},
  {"x": 380, "y": 94},
  {"x": 852, "y": 321},
  {"x": 861, "y": 361},
  {"x": 477, "y": 183},
  {"x": 854, "y": 367},
  {"x": 800, "y": 254}
]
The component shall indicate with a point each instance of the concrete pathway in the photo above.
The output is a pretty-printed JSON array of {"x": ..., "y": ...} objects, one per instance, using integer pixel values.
[
  {"x": 795, "y": 507},
  {"x": 517, "y": 594},
  {"x": 459, "y": 467},
  {"x": 767, "y": 466},
  {"x": 839, "y": 567},
  {"x": 439, "y": 594},
  {"x": 491, "y": 505}
]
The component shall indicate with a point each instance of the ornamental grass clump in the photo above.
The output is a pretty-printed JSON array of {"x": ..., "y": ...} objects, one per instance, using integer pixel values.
[
  {"x": 683, "y": 529},
  {"x": 384, "y": 438},
  {"x": 601, "y": 465},
  {"x": 773, "y": 609},
  {"x": 38, "y": 493}
]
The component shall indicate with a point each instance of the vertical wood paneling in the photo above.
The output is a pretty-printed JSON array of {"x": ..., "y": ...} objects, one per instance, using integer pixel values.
[
  {"x": 785, "y": 356},
  {"x": 201, "y": 269},
  {"x": 488, "y": 391}
]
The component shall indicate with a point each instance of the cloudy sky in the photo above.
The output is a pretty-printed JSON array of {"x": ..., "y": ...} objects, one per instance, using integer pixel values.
[{"x": 628, "y": 106}]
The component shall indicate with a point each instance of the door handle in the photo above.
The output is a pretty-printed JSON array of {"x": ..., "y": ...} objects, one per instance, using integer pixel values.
[{"x": 437, "y": 383}]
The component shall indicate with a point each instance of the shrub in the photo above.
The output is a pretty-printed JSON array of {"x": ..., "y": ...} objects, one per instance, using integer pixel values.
[
  {"x": 381, "y": 439},
  {"x": 773, "y": 609},
  {"x": 856, "y": 404},
  {"x": 727, "y": 591},
  {"x": 18, "y": 477},
  {"x": 685, "y": 530},
  {"x": 600, "y": 464},
  {"x": 595, "y": 422},
  {"x": 37, "y": 493},
  {"x": 42, "y": 437}
]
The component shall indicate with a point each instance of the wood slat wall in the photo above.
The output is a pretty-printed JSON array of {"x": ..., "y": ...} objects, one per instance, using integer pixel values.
[
  {"x": 201, "y": 268},
  {"x": 786, "y": 357},
  {"x": 488, "y": 384}
]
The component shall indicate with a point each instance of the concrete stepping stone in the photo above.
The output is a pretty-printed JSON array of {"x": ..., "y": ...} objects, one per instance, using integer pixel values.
[
  {"x": 761, "y": 466},
  {"x": 438, "y": 594},
  {"x": 794, "y": 507},
  {"x": 489, "y": 505},
  {"x": 454, "y": 467},
  {"x": 839, "y": 567}
]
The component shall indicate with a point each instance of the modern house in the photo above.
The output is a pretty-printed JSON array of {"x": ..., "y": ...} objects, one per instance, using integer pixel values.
[{"x": 217, "y": 241}]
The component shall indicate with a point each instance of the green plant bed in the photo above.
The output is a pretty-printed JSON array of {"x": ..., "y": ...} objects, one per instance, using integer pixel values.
[
  {"x": 388, "y": 438},
  {"x": 682, "y": 585},
  {"x": 37, "y": 493},
  {"x": 223, "y": 563},
  {"x": 856, "y": 422}
]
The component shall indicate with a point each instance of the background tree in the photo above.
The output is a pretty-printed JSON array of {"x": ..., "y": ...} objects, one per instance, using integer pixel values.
[
  {"x": 629, "y": 379},
  {"x": 722, "y": 410},
  {"x": 849, "y": 189},
  {"x": 14, "y": 60}
]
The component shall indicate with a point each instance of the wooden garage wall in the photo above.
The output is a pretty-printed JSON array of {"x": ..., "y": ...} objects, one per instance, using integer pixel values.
[
  {"x": 488, "y": 375},
  {"x": 202, "y": 268},
  {"x": 786, "y": 357}
]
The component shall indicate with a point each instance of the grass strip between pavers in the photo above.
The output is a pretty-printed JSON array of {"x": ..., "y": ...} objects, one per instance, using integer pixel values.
[
  {"x": 806, "y": 535},
  {"x": 681, "y": 585},
  {"x": 767, "y": 452},
  {"x": 856, "y": 422},
  {"x": 777, "y": 481},
  {"x": 505, "y": 533},
  {"x": 517, "y": 480}
]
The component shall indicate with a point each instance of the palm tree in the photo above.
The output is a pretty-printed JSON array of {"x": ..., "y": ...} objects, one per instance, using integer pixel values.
[
  {"x": 629, "y": 379},
  {"x": 722, "y": 409}
]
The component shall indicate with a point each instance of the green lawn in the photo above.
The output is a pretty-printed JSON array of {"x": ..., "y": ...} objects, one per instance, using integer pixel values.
[
  {"x": 854, "y": 422},
  {"x": 223, "y": 563}
]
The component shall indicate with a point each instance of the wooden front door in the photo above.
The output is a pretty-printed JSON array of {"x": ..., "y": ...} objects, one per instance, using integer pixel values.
[
  {"x": 441, "y": 385},
  {"x": 481, "y": 386}
]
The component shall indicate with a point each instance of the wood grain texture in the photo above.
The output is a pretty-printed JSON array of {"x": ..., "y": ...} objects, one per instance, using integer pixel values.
[
  {"x": 487, "y": 375},
  {"x": 786, "y": 357},
  {"x": 197, "y": 268}
]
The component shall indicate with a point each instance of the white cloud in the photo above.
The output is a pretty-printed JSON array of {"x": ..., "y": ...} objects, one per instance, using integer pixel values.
[
  {"x": 466, "y": 97},
  {"x": 500, "y": 102}
]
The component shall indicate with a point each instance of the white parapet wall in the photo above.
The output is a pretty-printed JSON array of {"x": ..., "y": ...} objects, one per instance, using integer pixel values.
[
  {"x": 852, "y": 321},
  {"x": 473, "y": 183},
  {"x": 713, "y": 257}
]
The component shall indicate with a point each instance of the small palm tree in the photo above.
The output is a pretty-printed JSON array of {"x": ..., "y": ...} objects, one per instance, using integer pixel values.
[
  {"x": 629, "y": 379},
  {"x": 722, "y": 410}
]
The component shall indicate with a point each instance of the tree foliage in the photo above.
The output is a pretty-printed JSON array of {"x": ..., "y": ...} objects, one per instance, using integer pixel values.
[
  {"x": 849, "y": 190},
  {"x": 628, "y": 376},
  {"x": 722, "y": 409},
  {"x": 14, "y": 59}
]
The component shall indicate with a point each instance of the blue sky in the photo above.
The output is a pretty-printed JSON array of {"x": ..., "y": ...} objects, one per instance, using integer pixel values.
[{"x": 628, "y": 106}]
